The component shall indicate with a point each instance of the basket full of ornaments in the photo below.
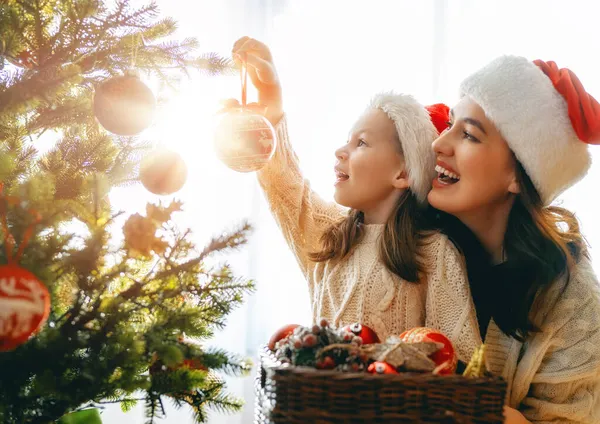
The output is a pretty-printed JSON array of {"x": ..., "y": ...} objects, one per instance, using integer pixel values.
[{"x": 322, "y": 374}]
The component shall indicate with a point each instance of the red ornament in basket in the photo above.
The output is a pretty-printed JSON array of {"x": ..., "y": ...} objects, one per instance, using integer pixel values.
[
  {"x": 380, "y": 367},
  {"x": 367, "y": 335},
  {"x": 281, "y": 334},
  {"x": 24, "y": 300},
  {"x": 446, "y": 355}
]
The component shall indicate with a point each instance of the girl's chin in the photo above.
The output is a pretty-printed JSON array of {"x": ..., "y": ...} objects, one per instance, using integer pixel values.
[{"x": 340, "y": 200}]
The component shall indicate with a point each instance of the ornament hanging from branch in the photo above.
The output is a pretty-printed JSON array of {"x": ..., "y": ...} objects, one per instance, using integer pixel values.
[
  {"x": 124, "y": 105},
  {"x": 163, "y": 172},
  {"x": 24, "y": 300}
]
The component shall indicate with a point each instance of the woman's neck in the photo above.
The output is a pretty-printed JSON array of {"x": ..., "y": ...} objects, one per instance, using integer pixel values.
[{"x": 489, "y": 226}]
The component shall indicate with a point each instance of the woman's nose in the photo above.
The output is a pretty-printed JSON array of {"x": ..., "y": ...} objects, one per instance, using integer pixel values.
[{"x": 443, "y": 144}]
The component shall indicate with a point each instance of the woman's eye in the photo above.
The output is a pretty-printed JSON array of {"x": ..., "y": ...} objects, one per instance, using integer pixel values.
[{"x": 470, "y": 137}]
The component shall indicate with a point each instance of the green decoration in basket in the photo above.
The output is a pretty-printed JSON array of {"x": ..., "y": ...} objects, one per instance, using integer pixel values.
[
  {"x": 476, "y": 367},
  {"x": 86, "y": 416}
]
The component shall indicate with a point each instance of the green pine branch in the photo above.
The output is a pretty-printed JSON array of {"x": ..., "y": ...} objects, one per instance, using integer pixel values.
[
  {"x": 120, "y": 312},
  {"x": 128, "y": 325},
  {"x": 83, "y": 42},
  {"x": 221, "y": 360}
]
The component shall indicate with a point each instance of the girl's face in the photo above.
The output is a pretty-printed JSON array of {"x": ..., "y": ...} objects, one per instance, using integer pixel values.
[
  {"x": 370, "y": 173},
  {"x": 476, "y": 168}
]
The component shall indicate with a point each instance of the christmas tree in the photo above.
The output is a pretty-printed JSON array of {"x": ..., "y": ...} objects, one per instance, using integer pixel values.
[{"x": 127, "y": 318}]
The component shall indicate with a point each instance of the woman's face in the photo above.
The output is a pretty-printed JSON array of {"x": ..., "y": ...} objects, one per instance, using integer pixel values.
[{"x": 476, "y": 169}]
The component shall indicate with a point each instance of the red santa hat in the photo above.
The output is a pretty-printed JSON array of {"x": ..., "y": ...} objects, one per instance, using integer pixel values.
[
  {"x": 417, "y": 128},
  {"x": 544, "y": 114},
  {"x": 440, "y": 115}
]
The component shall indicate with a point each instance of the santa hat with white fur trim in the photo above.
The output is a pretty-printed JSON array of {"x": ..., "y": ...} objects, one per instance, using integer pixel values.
[
  {"x": 417, "y": 128},
  {"x": 545, "y": 116}
]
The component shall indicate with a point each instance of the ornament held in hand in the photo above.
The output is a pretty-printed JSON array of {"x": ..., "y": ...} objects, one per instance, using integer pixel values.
[
  {"x": 245, "y": 141},
  {"x": 24, "y": 306},
  {"x": 124, "y": 105},
  {"x": 163, "y": 172}
]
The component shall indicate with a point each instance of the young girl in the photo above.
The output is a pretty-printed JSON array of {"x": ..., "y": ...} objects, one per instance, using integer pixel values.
[
  {"x": 515, "y": 141},
  {"x": 371, "y": 264}
]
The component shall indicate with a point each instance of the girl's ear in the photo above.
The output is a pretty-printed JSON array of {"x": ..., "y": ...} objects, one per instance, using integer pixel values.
[{"x": 401, "y": 180}]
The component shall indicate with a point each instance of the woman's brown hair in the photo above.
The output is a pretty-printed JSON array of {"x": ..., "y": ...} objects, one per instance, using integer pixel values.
[{"x": 541, "y": 245}]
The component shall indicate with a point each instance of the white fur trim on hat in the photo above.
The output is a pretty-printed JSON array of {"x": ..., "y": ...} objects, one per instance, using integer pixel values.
[
  {"x": 533, "y": 119},
  {"x": 416, "y": 133}
]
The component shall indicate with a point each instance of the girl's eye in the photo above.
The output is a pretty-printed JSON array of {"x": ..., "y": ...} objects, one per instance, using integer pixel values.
[{"x": 361, "y": 142}]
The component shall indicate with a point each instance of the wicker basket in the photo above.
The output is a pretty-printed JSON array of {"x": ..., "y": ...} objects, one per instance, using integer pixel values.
[{"x": 293, "y": 395}]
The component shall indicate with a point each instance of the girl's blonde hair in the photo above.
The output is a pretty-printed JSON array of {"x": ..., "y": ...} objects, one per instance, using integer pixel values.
[
  {"x": 407, "y": 228},
  {"x": 405, "y": 232}
]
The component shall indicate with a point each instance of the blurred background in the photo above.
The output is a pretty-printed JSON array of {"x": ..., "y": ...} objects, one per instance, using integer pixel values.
[{"x": 332, "y": 56}]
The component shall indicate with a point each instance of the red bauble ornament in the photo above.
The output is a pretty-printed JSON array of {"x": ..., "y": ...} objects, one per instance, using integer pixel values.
[
  {"x": 25, "y": 59},
  {"x": 281, "y": 334},
  {"x": 327, "y": 363},
  {"x": 163, "y": 172},
  {"x": 194, "y": 364},
  {"x": 367, "y": 335},
  {"x": 381, "y": 368},
  {"x": 124, "y": 105},
  {"x": 244, "y": 140},
  {"x": 158, "y": 366},
  {"x": 446, "y": 354},
  {"x": 24, "y": 306}
]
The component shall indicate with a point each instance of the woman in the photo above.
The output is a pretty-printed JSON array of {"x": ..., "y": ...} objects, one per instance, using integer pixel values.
[{"x": 516, "y": 140}]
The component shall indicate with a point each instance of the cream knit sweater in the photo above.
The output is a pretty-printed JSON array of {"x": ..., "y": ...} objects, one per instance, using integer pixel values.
[
  {"x": 553, "y": 377},
  {"x": 359, "y": 288}
]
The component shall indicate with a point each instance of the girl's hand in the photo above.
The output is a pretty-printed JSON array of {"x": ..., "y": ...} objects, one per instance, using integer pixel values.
[
  {"x": 263, "y": 74},
  {"x": 512, "y": 416}
]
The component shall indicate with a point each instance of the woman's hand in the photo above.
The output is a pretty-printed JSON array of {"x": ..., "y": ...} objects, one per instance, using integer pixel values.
[
  {"x": 512, "y": 416},
  {"x": 263, "y": 74}
]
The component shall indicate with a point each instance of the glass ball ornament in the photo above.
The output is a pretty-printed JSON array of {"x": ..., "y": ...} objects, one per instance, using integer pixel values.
[
  {"x": 124, "y": 105},
  {"x": 24, "y": 306},
  {"x": 244, "y": 140},
  {"x": 163, "y": 172}
]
